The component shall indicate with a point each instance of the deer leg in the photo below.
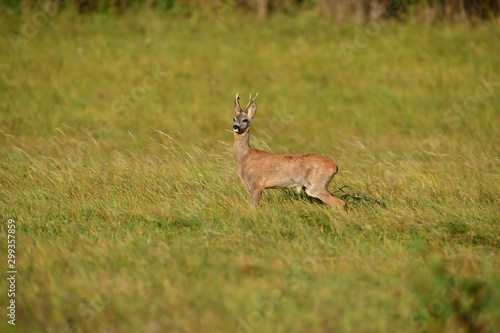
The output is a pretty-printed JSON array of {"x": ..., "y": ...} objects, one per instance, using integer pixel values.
[
  {"x": 299, "y": 188},
  {"x": 255, "y": 197},
  {"x": 326, "y": 197},
  {"x": 339, "y": 204}
]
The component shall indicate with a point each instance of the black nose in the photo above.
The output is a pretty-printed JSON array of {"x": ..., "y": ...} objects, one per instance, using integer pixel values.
[{"x": 236, "y": 127}]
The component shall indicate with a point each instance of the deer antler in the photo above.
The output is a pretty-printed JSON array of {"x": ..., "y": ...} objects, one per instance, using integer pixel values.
[
  {"x": 251, "y": 102},
  {"x": 237, "y": 106}
]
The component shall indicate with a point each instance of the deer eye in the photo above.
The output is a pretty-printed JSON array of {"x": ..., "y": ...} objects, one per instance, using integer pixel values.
[
  {"x": 234, "y": 119},
  {"x": 245, "y": 120}
]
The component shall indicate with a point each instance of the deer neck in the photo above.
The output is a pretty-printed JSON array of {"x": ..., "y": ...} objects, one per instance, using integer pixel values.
[{"x": 241, "y": 146}]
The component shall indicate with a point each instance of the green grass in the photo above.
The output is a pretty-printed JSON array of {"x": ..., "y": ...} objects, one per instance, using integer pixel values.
[{"x": 132, "y": 218}]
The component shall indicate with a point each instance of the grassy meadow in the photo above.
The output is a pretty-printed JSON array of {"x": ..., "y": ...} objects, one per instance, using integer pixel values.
[{"x": 116, "y": 163}]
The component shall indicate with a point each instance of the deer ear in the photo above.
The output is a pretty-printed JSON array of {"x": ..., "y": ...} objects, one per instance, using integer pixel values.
[
  {"x": 237, "y": 107},
  {"x": 252, "y": 110}
]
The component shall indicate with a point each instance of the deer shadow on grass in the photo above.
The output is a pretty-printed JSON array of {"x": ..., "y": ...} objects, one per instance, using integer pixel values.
[{"x": 353, "y": 198}]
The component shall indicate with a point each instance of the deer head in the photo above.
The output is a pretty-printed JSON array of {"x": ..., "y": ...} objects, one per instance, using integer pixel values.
[{"x": 241, "y": 121}]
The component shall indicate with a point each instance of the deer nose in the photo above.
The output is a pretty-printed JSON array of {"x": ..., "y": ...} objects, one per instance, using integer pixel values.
[{"x": 236, "y": 127}]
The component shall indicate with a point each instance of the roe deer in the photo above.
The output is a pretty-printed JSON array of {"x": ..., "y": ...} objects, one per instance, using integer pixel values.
[{"x": 260, "y": 170}]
